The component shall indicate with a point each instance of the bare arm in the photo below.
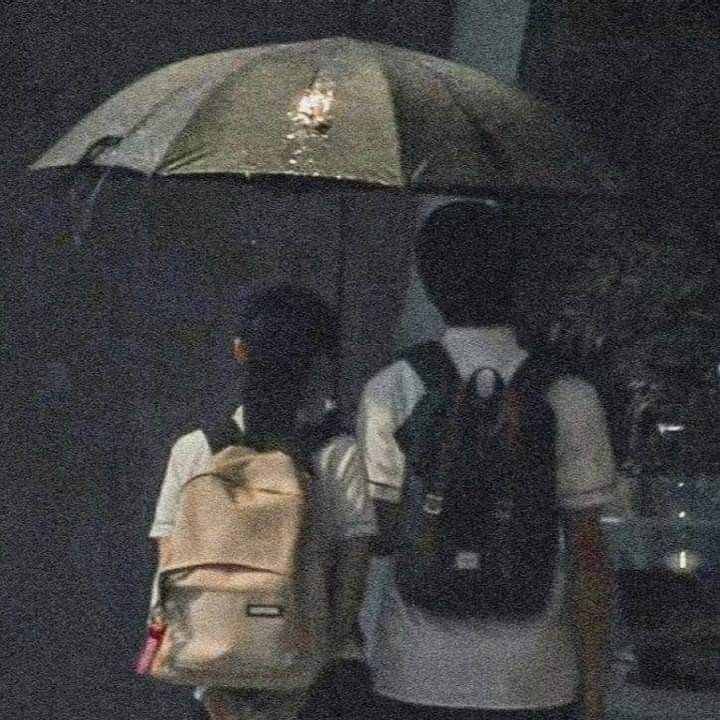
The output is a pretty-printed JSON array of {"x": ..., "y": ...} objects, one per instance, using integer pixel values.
[{"x": 591, "y": 595}]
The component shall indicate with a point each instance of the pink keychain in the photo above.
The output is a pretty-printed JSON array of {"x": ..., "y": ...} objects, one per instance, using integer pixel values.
[{"x": 151, "y": 643}]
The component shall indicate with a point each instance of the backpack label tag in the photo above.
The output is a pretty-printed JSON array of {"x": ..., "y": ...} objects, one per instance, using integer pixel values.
[
  {"x": 467, "y": 560},
  {"x": 265, "y": 611}
]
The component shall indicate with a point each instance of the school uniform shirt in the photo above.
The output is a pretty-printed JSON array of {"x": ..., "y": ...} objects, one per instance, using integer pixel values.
[
  {"x": 337, "y": 465},
  {"x": 420, "y": 658}
]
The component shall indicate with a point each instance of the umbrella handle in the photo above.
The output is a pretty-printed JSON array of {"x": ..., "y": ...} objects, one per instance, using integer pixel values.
[
  {"x": 340, "y": 281},
  {"x": 89, "y": 207}
]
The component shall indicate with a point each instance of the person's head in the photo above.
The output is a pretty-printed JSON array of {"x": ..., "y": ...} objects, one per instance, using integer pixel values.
[
  {"x": 467, "y": 262},
  {"x": 285, "y": 326},
  {"x": 280, "y": 334}
]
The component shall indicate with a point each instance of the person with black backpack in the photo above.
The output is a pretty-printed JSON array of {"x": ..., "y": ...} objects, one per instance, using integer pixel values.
[
  {"x": 489, "y": 595},
  {"x": 237, "y": 610}
]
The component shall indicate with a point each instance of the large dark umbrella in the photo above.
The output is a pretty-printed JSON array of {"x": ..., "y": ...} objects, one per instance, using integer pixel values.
[
  {"x": 342, "y": 109},
  {"x": 338, "y": 109}
]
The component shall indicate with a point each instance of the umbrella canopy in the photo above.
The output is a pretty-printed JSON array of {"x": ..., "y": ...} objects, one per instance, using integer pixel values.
[{"x": 341, "y": 109}]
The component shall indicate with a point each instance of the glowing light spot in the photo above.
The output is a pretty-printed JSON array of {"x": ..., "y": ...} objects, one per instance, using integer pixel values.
[
  {"x": 683, "y": 561},
  {"x": 664, "y": 428}
]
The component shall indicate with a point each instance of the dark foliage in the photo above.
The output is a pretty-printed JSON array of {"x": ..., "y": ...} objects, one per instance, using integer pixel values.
[{"x": 631, "y": 296}]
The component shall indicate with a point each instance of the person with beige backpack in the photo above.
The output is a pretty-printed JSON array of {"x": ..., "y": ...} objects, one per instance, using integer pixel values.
[{"x": 262, "y": 529}]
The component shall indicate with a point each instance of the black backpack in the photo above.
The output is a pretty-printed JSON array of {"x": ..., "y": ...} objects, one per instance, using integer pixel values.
[{"x": 478, "y": 526}]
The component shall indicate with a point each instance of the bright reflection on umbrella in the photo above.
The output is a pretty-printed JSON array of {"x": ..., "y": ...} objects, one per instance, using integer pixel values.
[{"x": 340, "y": 109}]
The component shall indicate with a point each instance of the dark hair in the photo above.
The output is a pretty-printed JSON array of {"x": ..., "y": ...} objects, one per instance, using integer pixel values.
[
  {"x": 466, "y": 259},
  {"x": 285, "y": 328}
]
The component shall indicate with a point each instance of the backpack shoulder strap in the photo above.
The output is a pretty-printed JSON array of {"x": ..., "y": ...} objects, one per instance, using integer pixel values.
[
  {"x": 222, "y": 434},
  {"x": 300, "y": 446},
  {"x": 433, "y": 366},
  {"x": 312, "y": 437},
  {"x": 528, "y": 398},
  {"x": 419, "y": 435},
  {"x": 537, "y": 373}
]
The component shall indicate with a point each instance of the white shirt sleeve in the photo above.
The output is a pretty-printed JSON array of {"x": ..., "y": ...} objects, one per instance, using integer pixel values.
[
  {"x": 341, "y": 467},
  {"x": 189, "y": 457},
  {"x": 380, "y": 414},
  {"x": 585, "y": 464}
]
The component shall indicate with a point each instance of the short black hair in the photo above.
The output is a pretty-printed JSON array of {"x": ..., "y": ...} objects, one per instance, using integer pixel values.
[
  {"x": 285, "y": 328},
  {"x": 467, "y": 260},
  {"x": 286, "y": 321}
]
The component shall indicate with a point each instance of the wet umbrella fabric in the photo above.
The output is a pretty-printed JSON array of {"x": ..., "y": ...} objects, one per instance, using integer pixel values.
[{"x": 341, "y": 109}]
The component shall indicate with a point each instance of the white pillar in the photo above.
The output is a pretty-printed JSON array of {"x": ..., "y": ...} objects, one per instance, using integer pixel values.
[{"x": 488, "y": 35}]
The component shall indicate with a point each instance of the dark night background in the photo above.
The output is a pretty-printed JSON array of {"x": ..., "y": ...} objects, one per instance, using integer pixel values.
[{"x": 113, "y": 346}]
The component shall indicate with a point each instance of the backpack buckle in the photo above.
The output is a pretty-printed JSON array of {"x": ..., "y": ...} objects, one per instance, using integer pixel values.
[{"x": 433, "y": 504}]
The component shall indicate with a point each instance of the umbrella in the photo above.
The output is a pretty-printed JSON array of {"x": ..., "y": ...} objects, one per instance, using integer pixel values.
[
  {"x": 338, "y": 110},
  {"x": 342, "y": 109}
]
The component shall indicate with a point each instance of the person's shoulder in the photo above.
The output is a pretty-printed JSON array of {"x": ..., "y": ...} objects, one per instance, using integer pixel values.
[
  {"x": 570, "y": 391},
  {"x": 393, "y": 369},
  {"x": 190, "y": 444},
  {"x": 578, "y": 408},
  {"x": 388, "y": 379}
]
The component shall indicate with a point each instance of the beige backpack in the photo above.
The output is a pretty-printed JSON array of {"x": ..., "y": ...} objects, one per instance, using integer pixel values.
[{"x": 242, "y": 600}]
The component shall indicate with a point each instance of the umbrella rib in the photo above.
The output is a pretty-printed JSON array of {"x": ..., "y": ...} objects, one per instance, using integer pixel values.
[
  {"x": 489, "y": 143},
  {"x": 163, "y": 165},
  {"x": 189, "y": 157},
  {"x": 142, "y": 121},
  {"x": 165, "y": 100},
  {"x": 406, "y": 177}
]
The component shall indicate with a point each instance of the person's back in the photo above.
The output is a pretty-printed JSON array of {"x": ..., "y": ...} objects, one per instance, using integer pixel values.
[
  {"x": 424, "y": 662},
  {"x": 281, "y": 334}
]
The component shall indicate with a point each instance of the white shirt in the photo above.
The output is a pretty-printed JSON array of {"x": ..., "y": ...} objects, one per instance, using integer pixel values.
[
  {"x": 338, "y": 467},
  {"x": 419, "y": 658}
]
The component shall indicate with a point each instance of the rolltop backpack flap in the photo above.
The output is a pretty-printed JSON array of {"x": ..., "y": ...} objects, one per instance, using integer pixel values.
[
  {"x": 460, "y": 557},
  {"x": 418, "y": 436},
  {"x": 477, "y": 520},
  {"x": 243, "y": 575},
  {"x": 472, "y": 430}
]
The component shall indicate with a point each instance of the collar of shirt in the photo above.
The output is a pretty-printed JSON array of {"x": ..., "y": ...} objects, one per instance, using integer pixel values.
[
  {"x": 239, "y": 418},
  {"x": 473, "y": 347}
]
